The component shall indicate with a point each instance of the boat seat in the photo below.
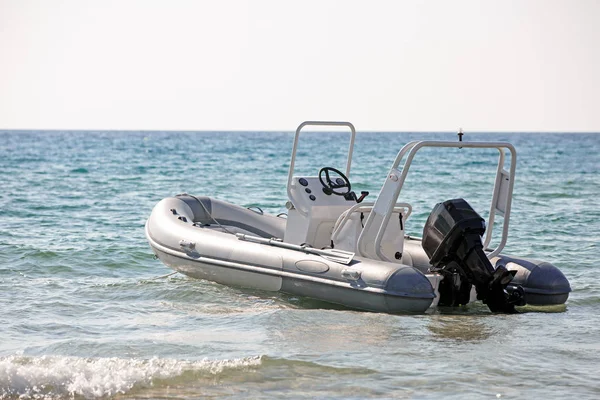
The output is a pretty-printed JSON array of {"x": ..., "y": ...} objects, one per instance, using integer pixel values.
[
  {"x": 207, "y": 211},
  {"x": 350, "y": 224}
]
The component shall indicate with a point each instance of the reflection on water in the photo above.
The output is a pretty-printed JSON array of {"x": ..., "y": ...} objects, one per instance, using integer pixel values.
[
  {"x": 329, "y": 330},
  {"x": 557, "y": 308},
  {"x": 460, "y": 327}
]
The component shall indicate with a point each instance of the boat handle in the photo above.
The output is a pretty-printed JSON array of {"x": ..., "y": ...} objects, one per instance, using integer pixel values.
[
  {"x": 351, "y": 274},
  {"x": 186, "y": 244}
]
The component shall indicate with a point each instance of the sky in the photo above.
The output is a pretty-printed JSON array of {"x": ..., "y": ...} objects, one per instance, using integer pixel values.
[{"x": 428, "y": 65}]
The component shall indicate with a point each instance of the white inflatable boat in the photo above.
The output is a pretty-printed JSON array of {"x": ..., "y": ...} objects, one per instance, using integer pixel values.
[{"x": 335, "y": 247}]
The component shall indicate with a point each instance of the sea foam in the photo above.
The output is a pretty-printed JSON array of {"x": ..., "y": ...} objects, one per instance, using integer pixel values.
[{"x": 50, "y": 377}]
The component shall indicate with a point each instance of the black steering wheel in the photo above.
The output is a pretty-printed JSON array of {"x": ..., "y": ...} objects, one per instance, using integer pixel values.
[{"x": 330, "y": 185}]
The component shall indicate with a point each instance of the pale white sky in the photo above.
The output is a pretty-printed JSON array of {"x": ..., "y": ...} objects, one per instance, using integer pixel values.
[{"x": 516, "y": 65}]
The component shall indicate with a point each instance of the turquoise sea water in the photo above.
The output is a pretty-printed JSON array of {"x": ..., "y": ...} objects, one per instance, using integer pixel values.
[{"x": 85, "y": 313}]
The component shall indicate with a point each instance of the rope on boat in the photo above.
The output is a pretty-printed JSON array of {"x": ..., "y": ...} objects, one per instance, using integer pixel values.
[
  {"x": 210, "y": 215},
  {"x": 162, "y": 276},
  {"x": 258, "y": 210}
]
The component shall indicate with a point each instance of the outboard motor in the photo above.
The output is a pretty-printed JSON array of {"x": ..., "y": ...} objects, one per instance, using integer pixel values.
[{"x": 452, "y": 240}]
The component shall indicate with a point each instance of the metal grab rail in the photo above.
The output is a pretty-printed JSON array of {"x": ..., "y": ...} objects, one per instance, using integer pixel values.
[
  {"x": 295, "y": 147},
  {"x": 394, "y": 182}
]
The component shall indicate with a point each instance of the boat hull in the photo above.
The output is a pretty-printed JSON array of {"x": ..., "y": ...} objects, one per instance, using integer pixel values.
[
  {"x": 352, "y": 294},
  {"x": 211, "y": 253}
]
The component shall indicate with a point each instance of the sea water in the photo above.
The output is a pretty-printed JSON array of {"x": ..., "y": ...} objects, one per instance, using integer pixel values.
[{"x": 88, "y": 313}]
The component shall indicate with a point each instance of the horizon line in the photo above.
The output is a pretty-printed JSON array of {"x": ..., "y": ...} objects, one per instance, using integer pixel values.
[{"x": 288, "y": 131}]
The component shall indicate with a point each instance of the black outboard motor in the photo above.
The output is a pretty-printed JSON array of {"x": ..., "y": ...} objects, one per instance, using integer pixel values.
[{"x": 452, "y": 240}]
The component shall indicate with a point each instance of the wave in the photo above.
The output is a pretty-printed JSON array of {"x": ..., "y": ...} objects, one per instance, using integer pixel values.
[
  {"x": 58, "y": 377},
  {"x": 55, "y": 377}
]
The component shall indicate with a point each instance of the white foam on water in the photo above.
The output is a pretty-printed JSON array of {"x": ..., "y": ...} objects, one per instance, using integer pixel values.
[{"x": 49, "y": 377}]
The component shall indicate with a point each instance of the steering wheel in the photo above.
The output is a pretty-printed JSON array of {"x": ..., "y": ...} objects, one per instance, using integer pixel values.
[{"x": 330, "y": 185}]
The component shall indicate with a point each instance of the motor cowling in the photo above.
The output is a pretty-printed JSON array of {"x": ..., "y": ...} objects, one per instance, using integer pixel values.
[{"x": 452, "y": 238}]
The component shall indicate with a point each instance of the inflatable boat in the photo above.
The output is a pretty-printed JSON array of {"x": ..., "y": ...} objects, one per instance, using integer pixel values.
[{"x": 335, "y": 247}]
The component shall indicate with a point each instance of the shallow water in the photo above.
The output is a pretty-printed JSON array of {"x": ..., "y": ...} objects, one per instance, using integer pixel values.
[{"x": 86, "y": 314}]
